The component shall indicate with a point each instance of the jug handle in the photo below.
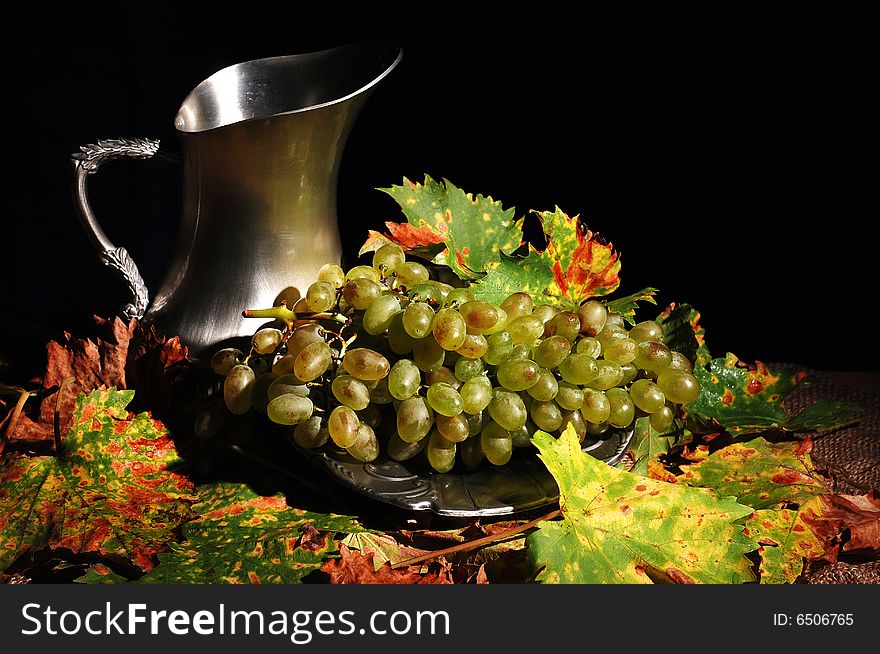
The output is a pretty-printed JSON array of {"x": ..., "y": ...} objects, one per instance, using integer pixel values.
[{"x": 86, "y": 162}]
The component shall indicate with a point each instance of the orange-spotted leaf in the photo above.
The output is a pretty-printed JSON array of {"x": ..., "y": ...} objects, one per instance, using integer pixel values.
[
  {"x": 241, "y": 537},
  {"x": 114, "y": 492},
  {"x": 583, "y": 265}
]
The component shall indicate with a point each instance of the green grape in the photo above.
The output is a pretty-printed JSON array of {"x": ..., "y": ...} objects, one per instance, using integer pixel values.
[
  {"x": 652, "y": 356},
  {"x": 467, "y": 368},
  {"x": 306, "y": 334},
  {"x": 379, "y": 393},
  {"x": 237, "y": 389},
  {"x": 545, "y": 388},
  {"x": 351, "y": 392},
  {"x": 287, "y": 384},
  {"x": 360, "y": 293},
  {"x": 210, "y": 420},
  {"x": 622, "y": 408},
  {"x": 320, "y": 296},
  {"x": 387, "y": 258},
  {"x": 621, "y": 350},
  {"x": 289, "y": 409},
  {"x": 597, "y": 429},
  {"x": 647, "y": 395},
  {"x": 404, "y": 379},
  {"x": 609, "y": 374},
  {"x": 266, "y": 340},
  {"x": 569, "y": 396},
  {"x": 518, "y": 374},
  {"x": 454, "y": 428},
  {"x": 475, "y": 422},
  {"x": 370, "y": 416},
  {"x": 399, "y": 450},
  {"x": 444, "y": 399},
  {"x": 311, "y": 433},
  {"x": 449, "y": 329},
  {"x": 414, "y": 419},
  {"x": 498, "y": 347},
  {"x": 518, "y": 304},
  {"x": 525, "y": 329},
  {"x": 426, "y": 292},
  {"x": 662, "y": 419},
  {"x": 474, "y": 346},
  {"x": 551, "y": 351},
  {"x": 500, "y": 325},
  {"x": 615, "y": 319},
  {"x": 366, "y": 364},
  {"x": 578, "y": 369},
  {"x": 343, "y": 425},
  {"x": 427, "y": 354},
  {"x": 367, "y": 272},
  {"x": 366, "y": 446},
  {"x": 479, "y": 316},
  {"x": 332, "y": 274},
  {"x": 411, "y": 273},
  {"x": 592, "y": 316},
  {"x": 679, "y": 386},
  {"x": 472, "y": 453},
  {"x": 589, "y": 345},
  {"x": 223, "y": 360},
  {"x": 630, "y": 372},
  {"x": 260, "y": 391},
  {"x": 545, "y": 312},
  {"x": 312, "y": 361},
  {"x": 476, "y": 394},
  {"x": 565, "y": 324},
  {"x": 522, "y": 437},
  {"x": 546, "y": 415},
  {"x": 609, "y": 333},
  {"x": 680, "y": 362},
  {"x": 399, "y": 341},
  {"x": 596, "y": 407},
  {"x": 496, "y": 450},
  {"x": 520, "y": 352},
  {"x": 377, "y": 318},
  {"x": 442, "y": 374},
  {"x": 576, "y": 420},
  {"x": 458, "y": 296},
  {"x": 441, "y": 452},
  {"x": 647, "y": 330},
  {"x": 417, "y": 319},
  {"x": 507, "y": 409}
]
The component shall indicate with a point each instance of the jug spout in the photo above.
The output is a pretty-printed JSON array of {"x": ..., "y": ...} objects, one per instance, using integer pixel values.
[{"x": 262, "y": 143}]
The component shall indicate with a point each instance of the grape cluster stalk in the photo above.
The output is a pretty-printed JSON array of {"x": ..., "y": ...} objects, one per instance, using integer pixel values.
[{"x": 382, "y": 358}]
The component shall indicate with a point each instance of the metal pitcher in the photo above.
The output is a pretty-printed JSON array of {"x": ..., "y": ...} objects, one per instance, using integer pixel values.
[{"x": 262, "y": 142}]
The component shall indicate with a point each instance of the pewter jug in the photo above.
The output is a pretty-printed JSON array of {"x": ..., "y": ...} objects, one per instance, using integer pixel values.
[{"x": 262, "y": 143}]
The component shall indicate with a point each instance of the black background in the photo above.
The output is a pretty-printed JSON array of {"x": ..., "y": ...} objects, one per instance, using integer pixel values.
[{"x": 723, "y": 150}]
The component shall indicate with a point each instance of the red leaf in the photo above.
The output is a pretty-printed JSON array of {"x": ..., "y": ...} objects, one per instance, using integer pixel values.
[
  {"x": 352, "y": 567},
  {"x": 854, "y": 520}
]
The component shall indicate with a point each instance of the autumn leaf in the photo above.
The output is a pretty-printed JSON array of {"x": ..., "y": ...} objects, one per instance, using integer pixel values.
[
  {"x": 647, "y": 446},
  {"x": 748, "y": 400},
  {"x": 423, "y": 242},
  {"x": 240, "y": 537},
  {"x": 113, "y": 492},
  {"x": 781, "y": 483},
  {"x": 619, "y": 527},
  {"x": 626, "y": 306},
  {"x": 510, "y": 275},
  {"x": 475, "y": 229},
  {"x": 854, "y": 521},
  {"x": 683, "y": 333},
  {"x": 353, "y": 567}
]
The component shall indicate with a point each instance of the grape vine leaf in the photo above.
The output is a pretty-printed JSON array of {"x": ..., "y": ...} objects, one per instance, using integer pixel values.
[
  {"x": 647, "y": 445},
  {"x": 114, "y": 492},
  {"x": 626, "y": 306},
  {"x": 619, "y": 527},
  {"x": 512, "y": 274},
  {"x": 748, "y": 400},
  {"x": 683, "y": 332},
  {"x": 475, "y": 229},
  {"x": 242, "y": 537},
  {"x": 780, "y": 482},
  {"x": 353, "y": 567}
]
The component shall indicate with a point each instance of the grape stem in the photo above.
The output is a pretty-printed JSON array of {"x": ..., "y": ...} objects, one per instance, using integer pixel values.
[{"x": 478, "y": 542}]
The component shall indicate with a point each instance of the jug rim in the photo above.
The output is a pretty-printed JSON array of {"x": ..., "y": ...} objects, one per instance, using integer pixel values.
[{"x": 243, "y": 82}]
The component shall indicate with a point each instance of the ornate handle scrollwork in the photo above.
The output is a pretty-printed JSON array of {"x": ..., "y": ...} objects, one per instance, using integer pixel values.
[{"x": 87, "y": 162}]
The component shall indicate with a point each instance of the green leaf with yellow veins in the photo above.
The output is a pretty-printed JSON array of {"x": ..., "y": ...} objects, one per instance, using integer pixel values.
[
  {"x": 510, "y": 275},
  {"x": 241, "y": 537},
  {"x": 626, "y": 306},
  {"x": 619, "y": 527},
  {"x": 475, "y": 229},
  {"x": 113, "y": 493}
]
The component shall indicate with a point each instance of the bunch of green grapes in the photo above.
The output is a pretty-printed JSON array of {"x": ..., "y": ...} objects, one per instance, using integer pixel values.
[{"x": 384, "y": 357}]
